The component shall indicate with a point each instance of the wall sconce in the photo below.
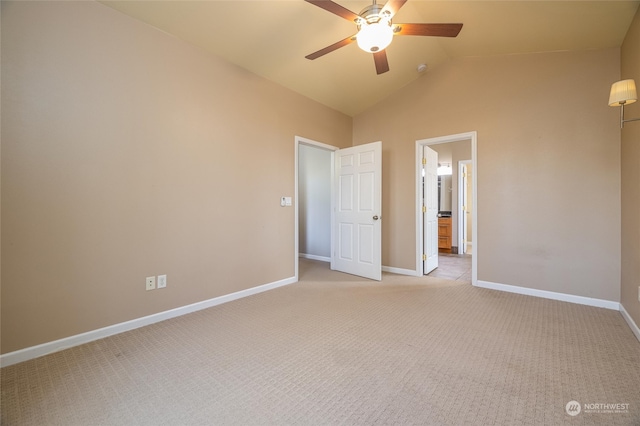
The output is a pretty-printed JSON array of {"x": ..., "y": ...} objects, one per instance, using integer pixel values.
[{"x": 623, "y": 93}]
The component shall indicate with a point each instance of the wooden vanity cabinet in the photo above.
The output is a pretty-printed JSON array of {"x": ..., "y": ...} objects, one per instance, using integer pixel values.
[{"x": 444, "y": 234}]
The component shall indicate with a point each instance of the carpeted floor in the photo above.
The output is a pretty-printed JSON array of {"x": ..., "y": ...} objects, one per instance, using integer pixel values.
[{"x": 336, "y": 349}]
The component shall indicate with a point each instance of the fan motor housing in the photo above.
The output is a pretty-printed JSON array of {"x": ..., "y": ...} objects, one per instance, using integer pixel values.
[{"x": 371, "y": 13}]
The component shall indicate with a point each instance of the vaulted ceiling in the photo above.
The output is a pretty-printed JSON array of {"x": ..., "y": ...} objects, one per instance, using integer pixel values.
[{"x": 271, "y": 38}]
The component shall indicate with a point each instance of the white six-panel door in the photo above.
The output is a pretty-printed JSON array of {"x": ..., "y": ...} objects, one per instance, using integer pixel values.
[
  {"x": 430, "y": 201},
  {"x": 357, "y": 229}
]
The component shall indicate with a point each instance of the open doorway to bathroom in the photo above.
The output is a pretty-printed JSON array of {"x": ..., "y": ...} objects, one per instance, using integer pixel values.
[{"x": 456, "y": 194}]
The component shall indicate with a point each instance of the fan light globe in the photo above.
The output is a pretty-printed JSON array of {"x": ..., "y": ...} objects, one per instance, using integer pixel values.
[{"x": 375, "y": 37}]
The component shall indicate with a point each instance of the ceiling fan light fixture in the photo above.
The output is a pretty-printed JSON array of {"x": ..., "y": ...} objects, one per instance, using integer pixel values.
[
  {"x": 375, "y": 37},
  {"x": 375, "y": 30}
]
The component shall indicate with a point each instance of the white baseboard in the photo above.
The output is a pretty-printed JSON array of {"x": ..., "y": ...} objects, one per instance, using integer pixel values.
[
  {"x": 581, "y": 300},
  {"x": 314, "y": 257},
  {"x": 79, "y": 339},
  {"x": 634, "y": 327},
  {"x": 391, "y": 269},
  {"x": 399, "y": 271}
]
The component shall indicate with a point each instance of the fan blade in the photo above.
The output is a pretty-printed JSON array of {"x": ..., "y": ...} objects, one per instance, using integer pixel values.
[
  {"x": 329, "y": 49},
  {"x": 382, "y": 65},
  {"x": 335, "y": 8},
  {"x": 393, "y": 6},
  {"x": 437, "y": 30}
]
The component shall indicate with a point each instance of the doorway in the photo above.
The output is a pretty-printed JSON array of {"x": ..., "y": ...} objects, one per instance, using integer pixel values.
[
  {"x": 313, "y": 182},
  {"x": 450, "y": 152},
  {"x": 338, "y": 206}
]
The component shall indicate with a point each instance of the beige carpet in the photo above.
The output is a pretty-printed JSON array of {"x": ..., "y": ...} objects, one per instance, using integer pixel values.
[{"x": 335, "y": 349}]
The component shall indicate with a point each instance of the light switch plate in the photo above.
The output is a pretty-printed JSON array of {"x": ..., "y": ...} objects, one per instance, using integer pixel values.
[
  {"x": 162, "y": 281},
  {"x": 285, "y": 201}
]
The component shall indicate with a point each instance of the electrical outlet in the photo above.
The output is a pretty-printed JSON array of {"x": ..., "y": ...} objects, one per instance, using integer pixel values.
[
  {"x": 162, "y": 281},
  {"x": 151, "y": 283}
]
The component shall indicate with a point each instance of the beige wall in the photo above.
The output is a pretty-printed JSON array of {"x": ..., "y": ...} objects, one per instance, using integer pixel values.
[
  {"x": 128, "y": 153},
  {"x": 548, "y": 165},
  {"x": 630, "y": 68}
]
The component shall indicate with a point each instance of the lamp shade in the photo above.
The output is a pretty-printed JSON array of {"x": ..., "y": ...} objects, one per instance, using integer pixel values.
[
  {"x": 375, "y": 37},
  {"x": 623, "y": 92}
]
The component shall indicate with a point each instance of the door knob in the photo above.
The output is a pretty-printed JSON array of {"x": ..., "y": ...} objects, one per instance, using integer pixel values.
[{"x": 375, "y": 217}]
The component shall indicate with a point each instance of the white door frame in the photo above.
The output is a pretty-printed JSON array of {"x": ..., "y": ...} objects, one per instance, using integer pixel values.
[
  {"x": 296, "y": 235},
  {"x": 462, "y": 223},
  {"x": 473, "y": 137}
]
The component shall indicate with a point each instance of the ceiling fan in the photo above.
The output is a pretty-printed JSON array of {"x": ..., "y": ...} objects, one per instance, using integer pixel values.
[{"x": 375, "y": 29}]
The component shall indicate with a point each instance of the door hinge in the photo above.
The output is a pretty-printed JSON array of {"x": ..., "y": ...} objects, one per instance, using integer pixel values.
[
  {"x": 424, "y": 160},
  {"x": 424, "y": 209},
  {"x": 424, "y": 257}
]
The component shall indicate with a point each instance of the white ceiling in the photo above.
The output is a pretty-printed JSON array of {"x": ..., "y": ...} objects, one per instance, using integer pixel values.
[{"x": 272, "y": 37}]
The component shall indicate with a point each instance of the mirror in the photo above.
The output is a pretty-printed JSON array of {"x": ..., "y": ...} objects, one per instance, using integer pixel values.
[{"x": 444, "y": 194}]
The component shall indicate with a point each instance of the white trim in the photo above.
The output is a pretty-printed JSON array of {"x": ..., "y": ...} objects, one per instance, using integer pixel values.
[
  {"x": 399, "y": 271},
  {"x": 563, "y": 297},
  {"x": 315, "y": 257},
  {"x": 473, "y": 137},
  {"x": 462, "y": 217},
  {"x": 634, "y": 327},
  {"x": 79, "y": 339},
  {"x": 296, "y": 232}
]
